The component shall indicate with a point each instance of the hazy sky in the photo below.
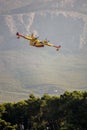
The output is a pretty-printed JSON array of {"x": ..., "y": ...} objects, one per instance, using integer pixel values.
[{"x": 23, "y": 67}]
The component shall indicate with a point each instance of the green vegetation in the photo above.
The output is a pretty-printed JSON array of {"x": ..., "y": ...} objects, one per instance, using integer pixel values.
[{"x": 66, "y": 112}]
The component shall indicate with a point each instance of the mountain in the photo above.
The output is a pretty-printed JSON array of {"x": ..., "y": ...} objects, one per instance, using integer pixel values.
[{"x": 25, "y": 69}]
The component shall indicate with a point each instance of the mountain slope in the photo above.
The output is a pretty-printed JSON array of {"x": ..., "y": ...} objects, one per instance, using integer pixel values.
[{"x": 25, "y": 69}]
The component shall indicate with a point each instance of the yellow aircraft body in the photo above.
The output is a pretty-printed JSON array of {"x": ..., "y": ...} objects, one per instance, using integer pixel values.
[{"x": 34, "y": 41}]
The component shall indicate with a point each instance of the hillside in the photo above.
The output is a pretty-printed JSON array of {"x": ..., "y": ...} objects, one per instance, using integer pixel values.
[{"x": 25, "y": 69}]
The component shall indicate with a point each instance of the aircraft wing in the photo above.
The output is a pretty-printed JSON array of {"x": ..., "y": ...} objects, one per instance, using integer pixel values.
[
  {"x": 45, "y": 42},
  {"x": 25, "y": 37}
]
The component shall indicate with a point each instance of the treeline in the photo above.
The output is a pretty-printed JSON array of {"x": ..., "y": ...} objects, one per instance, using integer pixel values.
[{"x": 65, "y": 112}]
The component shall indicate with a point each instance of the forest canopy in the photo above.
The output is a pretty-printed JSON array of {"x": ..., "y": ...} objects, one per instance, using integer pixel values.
[{"x": 65, "y": 112}]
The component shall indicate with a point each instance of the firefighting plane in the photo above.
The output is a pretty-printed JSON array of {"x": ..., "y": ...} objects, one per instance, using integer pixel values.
[{"x": 34, "y": 41}]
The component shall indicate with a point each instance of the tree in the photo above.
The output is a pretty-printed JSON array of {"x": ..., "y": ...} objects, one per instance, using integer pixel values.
[
  {"x": 67, "y": 112},
  {"x": 7, "y": 125}
]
